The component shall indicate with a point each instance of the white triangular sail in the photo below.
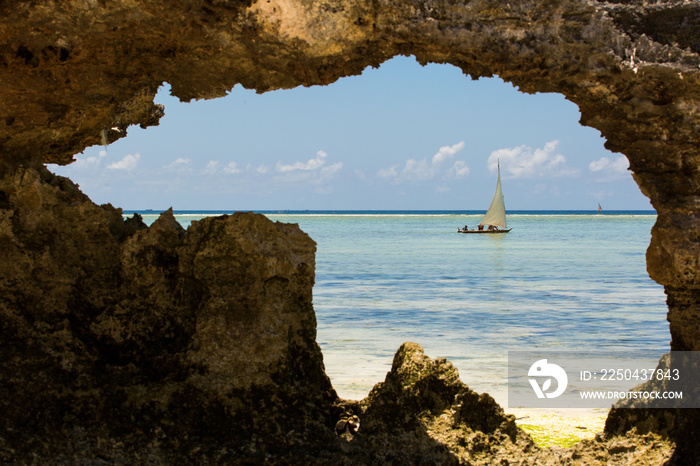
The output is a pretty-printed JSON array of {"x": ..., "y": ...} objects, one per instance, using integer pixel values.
[{"x": 496, "y": 215}]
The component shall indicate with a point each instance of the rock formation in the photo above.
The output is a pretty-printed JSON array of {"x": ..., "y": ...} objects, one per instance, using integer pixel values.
[
  {"x": 149, "y": 344},
  {"x": 106, "y": 324},
  {"x": 423, "y": 414}
]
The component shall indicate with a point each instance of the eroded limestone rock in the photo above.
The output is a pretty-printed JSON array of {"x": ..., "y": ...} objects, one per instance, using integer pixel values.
[
  {"x": 76, "y": 72},
  {"x": 423, "y": 403},
  {"x": 423, "y": 414},
  {"x": 136, "y": 343}
]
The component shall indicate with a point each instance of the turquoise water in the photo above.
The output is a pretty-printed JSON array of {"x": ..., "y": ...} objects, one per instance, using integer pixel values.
[{"x": 559, "y": 280}]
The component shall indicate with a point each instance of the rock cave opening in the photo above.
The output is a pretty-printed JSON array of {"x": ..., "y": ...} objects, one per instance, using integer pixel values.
[
  {"x": 145, "y": 345},
  {"x": 360, "y": 145}
]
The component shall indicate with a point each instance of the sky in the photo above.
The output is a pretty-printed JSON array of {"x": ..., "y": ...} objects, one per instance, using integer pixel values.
[{"x": 398, "y": 137}]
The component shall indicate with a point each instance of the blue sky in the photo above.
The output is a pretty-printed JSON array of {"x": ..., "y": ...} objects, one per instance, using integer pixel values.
[{"x": 398, "y": 137}]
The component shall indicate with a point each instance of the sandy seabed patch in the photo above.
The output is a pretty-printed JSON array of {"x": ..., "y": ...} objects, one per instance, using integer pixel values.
[{"x": 563, "y": 427}]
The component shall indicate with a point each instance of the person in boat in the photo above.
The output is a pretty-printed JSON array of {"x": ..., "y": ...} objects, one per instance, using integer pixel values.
[{"x": 466, "y": 228}]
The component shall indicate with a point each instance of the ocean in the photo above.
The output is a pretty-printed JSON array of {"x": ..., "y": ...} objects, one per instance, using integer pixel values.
[{"x": 560, "y": 280}]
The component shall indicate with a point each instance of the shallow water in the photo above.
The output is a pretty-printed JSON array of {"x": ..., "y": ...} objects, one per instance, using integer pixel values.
[{"x": 561, "y": 281}]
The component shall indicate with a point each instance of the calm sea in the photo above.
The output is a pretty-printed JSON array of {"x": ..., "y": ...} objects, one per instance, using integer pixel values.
[{"x": 559, "y": 281}]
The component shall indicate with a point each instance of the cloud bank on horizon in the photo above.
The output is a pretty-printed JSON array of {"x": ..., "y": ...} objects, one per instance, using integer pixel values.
[{"x": 321, "y": 171}]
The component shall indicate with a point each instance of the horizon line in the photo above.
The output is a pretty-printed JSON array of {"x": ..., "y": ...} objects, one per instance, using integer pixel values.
[{"x": 282, "y": 211}]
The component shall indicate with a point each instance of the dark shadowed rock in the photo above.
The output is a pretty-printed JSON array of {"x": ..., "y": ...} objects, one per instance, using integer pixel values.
[
  {"x": 644, "y": 416},
  {"x": 111, "y": 331},
  {"x": 127, "y": 342},
  {"x": 423, "y": 414}
]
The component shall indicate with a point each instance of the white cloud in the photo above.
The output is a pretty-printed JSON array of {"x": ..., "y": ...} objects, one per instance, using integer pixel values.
[
  {"x": 331, "y": 169},
  {"x": 418, "y": 170},
  {"x": 231, "y": 168},
  {"x": 88, "y": 162},
  {"x": 314, "y": 171},
  {"x": 447, "y": 152},
  {"x": 617, "y": 166},
  {"x": 178, "y": 163},
  {"x": 525, "y": 162},
  {"x": 459, "y": 169},
  {"x": 599, "y": 164},
  {"x": 128, "y": 163},
  {"x": 262, "y": 169},
  {"x": 313, "y": 164},
  {"x": 211, "y": 168},
  {"x": 390, "y": 172}
]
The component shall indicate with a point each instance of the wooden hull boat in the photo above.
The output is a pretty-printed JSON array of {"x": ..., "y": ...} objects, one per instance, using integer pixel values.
[{"x": 461, "y": 230}]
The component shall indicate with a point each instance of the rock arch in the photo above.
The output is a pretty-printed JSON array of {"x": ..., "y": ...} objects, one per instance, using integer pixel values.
[{"x": 74, "y": 73}]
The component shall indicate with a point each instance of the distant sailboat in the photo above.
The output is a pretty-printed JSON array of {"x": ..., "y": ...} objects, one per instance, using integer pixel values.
[
  {"x": 495, "y": 217},
  {"x": 600, "y": 209}
]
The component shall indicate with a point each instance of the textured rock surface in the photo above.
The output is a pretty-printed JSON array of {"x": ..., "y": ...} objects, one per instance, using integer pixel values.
[
  {"x": 77, "y": 71},
  {"x": 423, "y": 403},
  {"x": 642, "y": 416},
  {"x": 423, "y": 414},
  {"x": 144, "y": 344}
]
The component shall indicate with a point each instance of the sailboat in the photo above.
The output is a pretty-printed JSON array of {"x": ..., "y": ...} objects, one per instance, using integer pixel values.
[
  {"x": 495, "y": 217},
  {"x": 600, "y": 209}
]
